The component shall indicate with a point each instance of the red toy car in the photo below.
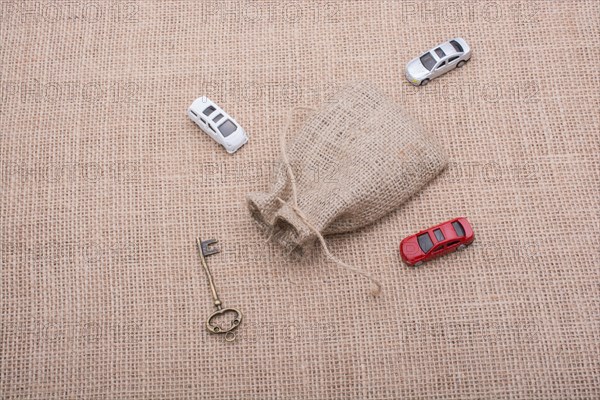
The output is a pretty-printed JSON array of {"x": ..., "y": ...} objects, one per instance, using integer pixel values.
[{"x": 438, "y": 240}]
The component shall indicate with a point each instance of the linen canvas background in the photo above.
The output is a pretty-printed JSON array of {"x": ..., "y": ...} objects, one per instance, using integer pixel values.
[{"x": 106, "y": 183}]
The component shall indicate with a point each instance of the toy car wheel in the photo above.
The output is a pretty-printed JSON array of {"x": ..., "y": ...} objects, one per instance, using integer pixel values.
[
  {"x": 460, "y": 64},
  {"x": 418, "y": 263},
  {"x": 461, "y": 247},
  {"x": 424, "y": 82}
]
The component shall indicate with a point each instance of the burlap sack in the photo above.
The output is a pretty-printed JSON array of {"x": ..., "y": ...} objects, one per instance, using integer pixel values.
[{"x": 353, "y": 161}]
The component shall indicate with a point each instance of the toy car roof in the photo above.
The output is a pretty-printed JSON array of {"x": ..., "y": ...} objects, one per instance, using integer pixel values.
[{"x": 448, "y": 50}]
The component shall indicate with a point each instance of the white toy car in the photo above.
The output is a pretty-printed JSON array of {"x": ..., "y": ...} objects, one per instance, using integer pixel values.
[
  {"x": 217, "y": 124},
  {"x": 437, "y": 61}
]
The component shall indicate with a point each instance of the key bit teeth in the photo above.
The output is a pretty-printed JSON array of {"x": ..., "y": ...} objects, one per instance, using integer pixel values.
[{"x": 207, "y": 249}]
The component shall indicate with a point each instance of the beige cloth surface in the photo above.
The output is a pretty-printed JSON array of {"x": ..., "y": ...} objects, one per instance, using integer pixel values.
[{"x": 106, "y": 183}]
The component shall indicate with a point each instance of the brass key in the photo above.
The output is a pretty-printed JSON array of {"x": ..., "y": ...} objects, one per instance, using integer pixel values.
[{"x": 205, "y": 250}]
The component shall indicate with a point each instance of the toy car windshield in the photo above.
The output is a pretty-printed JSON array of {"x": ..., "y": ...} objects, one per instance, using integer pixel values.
[
  {"x": 425, "y": 242},
  {"x": 428, "y": 61},
  {"x": 227, "y": 128},
  {"x": 458, "y": 228},
  {"x": 456, "y": 46}
]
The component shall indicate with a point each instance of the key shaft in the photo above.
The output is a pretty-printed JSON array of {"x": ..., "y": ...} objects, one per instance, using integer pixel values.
[{"x": 213, "y": 289}]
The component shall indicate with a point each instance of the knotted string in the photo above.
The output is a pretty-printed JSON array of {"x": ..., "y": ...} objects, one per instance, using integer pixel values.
[{"x": 376, "y": 285}]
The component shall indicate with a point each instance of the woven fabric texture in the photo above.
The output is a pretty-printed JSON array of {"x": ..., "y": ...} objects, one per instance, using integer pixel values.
[
  {"x": 352, "y": 162},
  {"x": 105, "y": 184}
]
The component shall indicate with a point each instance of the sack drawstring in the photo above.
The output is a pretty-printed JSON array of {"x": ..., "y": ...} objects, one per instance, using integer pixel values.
[{"x": 376, "y": 285}]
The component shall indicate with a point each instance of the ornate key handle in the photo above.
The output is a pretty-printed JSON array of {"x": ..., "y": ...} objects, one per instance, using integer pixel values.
[
  {"x": 229, "y": 334},
  {"x": 205, "y": 250}
]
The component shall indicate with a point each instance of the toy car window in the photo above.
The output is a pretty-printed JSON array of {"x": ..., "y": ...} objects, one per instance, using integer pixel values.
[
  {"x": 425, "y": 242},
  {"x": 193, "y": 112},
  {"x": 227, "y": 128},
  {"x": 439, "y": 247},
  {"x": 211, "y": 128},
  {"x": 440, "y": 52},
  {"x": 441, "y": 65},
  {"x": 452, "y": 243},
  {"x": 458, "y": 228},
  {"x": 456, "y": 46},
  {"x": 452, "y": 59},
  {"x": 208, "y": 110},
  {"x": 218, "y": 118},
  {"x": 428, "y": 61},
  {"x": 438, "y": 235}
]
